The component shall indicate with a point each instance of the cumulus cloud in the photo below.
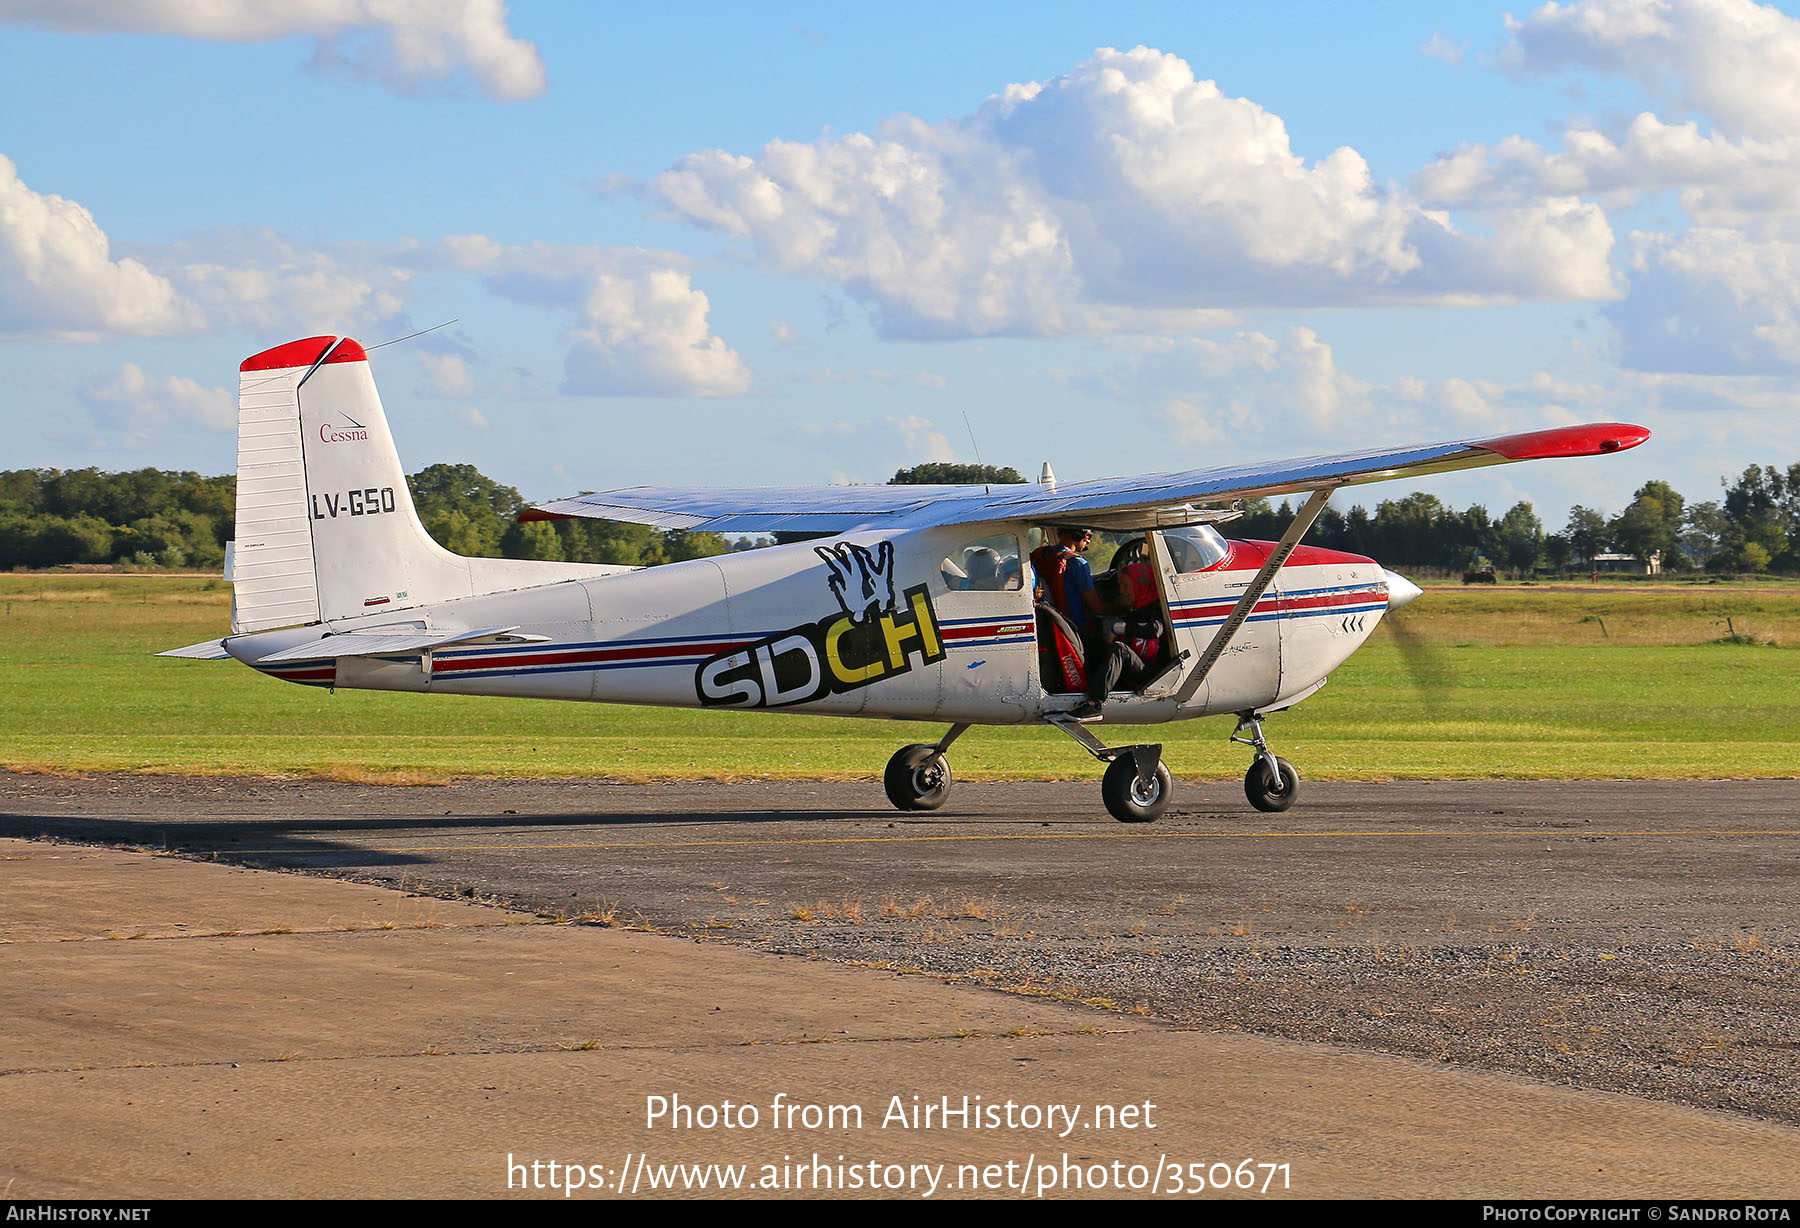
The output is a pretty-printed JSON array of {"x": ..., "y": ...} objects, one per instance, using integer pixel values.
[
  {"x": 259, "y": 281},
  {"x": 1125, "y": 194},
  {"x": 873, "y": 444},
  {"x": 1711, "y": 301},
  {"x": 1253, "y": 393},
  {"x": 403, "y": 44},
  {"x": 1247, "y": 384},
  {"x": 1753, "y": 183},
  {"x": 446, "y": 375},
  {"x": 877, "y": 375},
  {"x": 1441, "y": 47},
  {"x": 1649, "y": 156},
  {"x": 647, "y": 333},
  {"x": 640, "y": 326},
  {"x": 58, "y": 279},
  {"x": 1733, "y": 60},
  {"x": 1717, "y": 298},
  {"x": 923, "y": 439},
  {"x": 135, "y": 405},
  {"x": 1203, "y": 424}
]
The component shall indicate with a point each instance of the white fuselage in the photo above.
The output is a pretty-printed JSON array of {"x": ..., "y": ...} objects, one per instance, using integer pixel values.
[{"x": 869, "y": 624}]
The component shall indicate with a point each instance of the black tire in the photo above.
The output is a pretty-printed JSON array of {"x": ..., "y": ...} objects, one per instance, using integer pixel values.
[
  {"x": 917, "y": 778},
  {"x": 1267, "y": 795},
  {"x": 1128, "y": 799}
]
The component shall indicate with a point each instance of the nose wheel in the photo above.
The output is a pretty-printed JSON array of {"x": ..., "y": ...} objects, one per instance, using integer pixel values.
[{"x": 1271, "y": 784}]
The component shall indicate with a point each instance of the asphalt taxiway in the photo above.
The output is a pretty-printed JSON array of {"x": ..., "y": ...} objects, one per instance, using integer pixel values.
[{"x": 1504, "y": 988}]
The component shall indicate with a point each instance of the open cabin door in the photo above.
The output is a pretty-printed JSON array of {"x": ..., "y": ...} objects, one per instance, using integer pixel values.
[{"x": 1176, "y": 658}]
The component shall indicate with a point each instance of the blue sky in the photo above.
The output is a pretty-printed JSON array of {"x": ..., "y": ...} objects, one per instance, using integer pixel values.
[{"x": 791, "y": 244}]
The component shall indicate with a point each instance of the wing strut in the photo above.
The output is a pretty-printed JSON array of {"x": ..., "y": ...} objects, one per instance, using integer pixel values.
[{"x": 1246, "y": 603}]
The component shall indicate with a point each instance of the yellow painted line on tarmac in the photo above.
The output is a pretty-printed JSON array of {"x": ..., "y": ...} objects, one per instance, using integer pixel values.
[{"x": 1526, "y": 833}]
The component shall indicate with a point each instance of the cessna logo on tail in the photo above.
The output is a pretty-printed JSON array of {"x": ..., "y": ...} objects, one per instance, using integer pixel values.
[
  {"x": 350, "y": 429},
  {"x": 838, "y": 653}
]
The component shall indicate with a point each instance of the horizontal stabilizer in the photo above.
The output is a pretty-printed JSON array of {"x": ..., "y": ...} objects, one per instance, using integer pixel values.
[
  {"x": 206, "y": 650},
  {"x": 382, "y": 644}
]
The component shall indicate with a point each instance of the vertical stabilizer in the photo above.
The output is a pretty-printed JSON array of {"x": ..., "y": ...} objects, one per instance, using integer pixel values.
[
  {"x": 326, "y": 529},
  {"x": 370, "y": 553}
]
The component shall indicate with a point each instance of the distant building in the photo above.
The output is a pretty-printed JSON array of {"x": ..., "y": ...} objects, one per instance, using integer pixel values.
[{"x": 1628, "y": 564}]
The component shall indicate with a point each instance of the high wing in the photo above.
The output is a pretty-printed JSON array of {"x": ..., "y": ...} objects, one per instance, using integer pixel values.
[
  {"x": 761, "y": 509},
  {"x": 1113, "y": 503}
]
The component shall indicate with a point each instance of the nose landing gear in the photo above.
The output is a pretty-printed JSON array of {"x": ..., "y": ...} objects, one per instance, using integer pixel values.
[{"x": 1271, "y": 784}]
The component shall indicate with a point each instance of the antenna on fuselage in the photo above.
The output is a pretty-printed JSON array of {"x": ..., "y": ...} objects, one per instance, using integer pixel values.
[{"x": 970, "y": 428}]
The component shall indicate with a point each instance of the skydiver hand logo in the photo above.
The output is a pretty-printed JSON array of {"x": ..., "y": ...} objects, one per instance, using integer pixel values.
[{"x": 861, "y": 579}]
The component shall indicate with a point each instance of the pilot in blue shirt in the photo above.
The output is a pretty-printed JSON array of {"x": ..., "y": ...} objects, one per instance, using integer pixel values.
[{"x": 1079, "y": 602}]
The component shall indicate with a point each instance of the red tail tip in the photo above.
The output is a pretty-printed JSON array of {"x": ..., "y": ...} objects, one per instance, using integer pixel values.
[{"x": 304, "y": 353}]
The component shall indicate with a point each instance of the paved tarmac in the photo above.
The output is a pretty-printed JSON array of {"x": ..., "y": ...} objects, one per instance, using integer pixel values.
[{"x": 183, "y": 1028}]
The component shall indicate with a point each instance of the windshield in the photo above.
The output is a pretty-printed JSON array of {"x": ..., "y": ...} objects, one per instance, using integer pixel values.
[{"x": 1195, "y": 547}]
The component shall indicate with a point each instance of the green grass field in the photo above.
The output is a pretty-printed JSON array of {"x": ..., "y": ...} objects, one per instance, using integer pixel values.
[{"x": 1520, "y": 682}]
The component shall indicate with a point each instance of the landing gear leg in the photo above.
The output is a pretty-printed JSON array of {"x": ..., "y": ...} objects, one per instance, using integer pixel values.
[
  {"x": 1271, "y": 784},
  {"x": 918, "y": 776},
  {"x": 1136, "y": 786}
]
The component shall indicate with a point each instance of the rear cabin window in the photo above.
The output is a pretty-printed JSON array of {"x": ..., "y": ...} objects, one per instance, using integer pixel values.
[{"x": 990, "y": 564}]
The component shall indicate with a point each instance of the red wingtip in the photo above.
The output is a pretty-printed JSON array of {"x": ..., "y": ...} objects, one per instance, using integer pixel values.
[
  {"x": 532, "y": 514},
  {"x": 1593, "y": 439},
  {"x": 303, "y": 354}
]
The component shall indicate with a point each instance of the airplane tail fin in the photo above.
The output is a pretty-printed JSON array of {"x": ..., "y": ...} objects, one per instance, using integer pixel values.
[{"x": 326, "y": 529}]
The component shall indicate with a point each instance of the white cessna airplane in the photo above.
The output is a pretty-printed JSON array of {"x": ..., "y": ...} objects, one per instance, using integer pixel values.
[{"x": 910, "y": 602}]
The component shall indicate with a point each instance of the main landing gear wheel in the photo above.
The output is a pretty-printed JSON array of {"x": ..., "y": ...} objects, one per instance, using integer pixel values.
[
  {"x": 1267, "y": 794},
  {"x": 917, "y": 777},
  {"x": 1130, "y": 798}
]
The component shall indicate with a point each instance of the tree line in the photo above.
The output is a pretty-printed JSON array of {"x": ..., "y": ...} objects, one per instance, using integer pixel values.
[
  {"x": 156, "y": 518},
  {"x": 1754, "y": 528}
]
